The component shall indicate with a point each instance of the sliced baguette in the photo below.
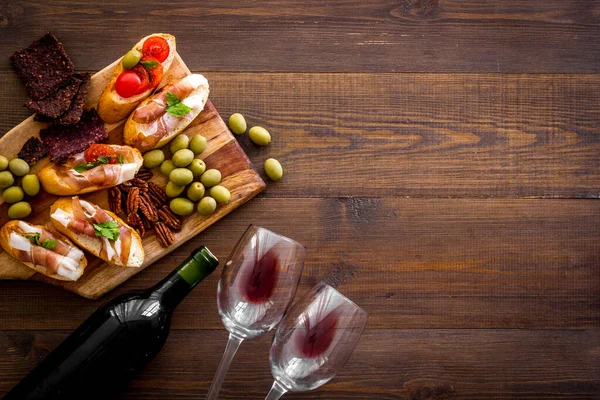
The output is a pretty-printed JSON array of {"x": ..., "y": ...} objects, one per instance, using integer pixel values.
[
  {"x": 94, "y": 245},
  {"x": 5, "y": 242},
  {"x": 114, "y": 108},
  {"x": 54, "y": 184},
  {"x": 138, "y": 134}
]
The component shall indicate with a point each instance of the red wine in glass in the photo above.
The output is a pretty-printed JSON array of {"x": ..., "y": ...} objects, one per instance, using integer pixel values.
[
  {"x": 261, "y": 279},
  {"x": 317, "y": 338},
  {"x": 314, "y": 340}
]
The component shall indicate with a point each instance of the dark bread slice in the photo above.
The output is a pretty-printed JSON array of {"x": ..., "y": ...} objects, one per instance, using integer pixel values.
[{"x": 44, "y": 66}]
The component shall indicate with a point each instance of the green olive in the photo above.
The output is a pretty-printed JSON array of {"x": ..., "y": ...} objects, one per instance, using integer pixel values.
[
  {"x": 198, "y": 144},
  {"x": 173, "y": 190},
  {"x": 182, "y": 158},
  {"x": 237, "y": 124},
  {"x": 131, "y": 58},
  {"x": 19, "y": 210},
  {"x": 18, "y": 167},
  {"x": 181, "y": 206},
  {"x": 197, "y": 167},
  {"x": 3, "y": 163},
  {"x": 181, "y": 176},
  {"x": 259, "y": 135},
  {"x": 6, "y": 179},
  {"x": 166, "y": 167},
  {"x": 196, "y": 191},
  {"x": 273, "y": 169},
  {"x": 180, "y": 141},
  {"x": 13, "y": 194},
  {"x": 31, "y": 184},
  {"x": 207, "y": 206},
  {"x": 220, "y": 194},
  {"x": 211, "y": 177},
  {"x": 154, "y": 158}
]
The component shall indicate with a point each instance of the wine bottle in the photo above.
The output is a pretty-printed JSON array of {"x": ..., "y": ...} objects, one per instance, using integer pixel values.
[{"x": 116, "y": 341}]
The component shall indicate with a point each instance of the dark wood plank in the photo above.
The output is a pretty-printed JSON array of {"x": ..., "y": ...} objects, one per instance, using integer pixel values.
[
  {"x": 412, "y": 134},
  {"x": 340, "y": 35},
  {"x": 424, "y": 364},
  {"x": 411, "y": 263}
]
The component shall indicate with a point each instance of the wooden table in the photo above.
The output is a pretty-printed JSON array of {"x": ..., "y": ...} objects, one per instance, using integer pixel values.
[{"x": 442, "y": 158}]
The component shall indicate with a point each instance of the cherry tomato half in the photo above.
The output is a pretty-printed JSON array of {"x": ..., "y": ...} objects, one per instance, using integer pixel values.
[
  {"x": 128, "y": 83},
  {"x": 144, "y": 77},
  {"x": 156, "y": 73},
  {"x": 156, "y": 47},
  {"x": 100, "y": 150}
]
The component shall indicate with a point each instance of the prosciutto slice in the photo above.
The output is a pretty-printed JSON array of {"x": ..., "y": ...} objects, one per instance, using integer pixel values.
[
  {"x": 104, "y": 175},
  {"x": 157, "y": 107},
  {"x": 63, "y": 260},
  {"x": 85, "y": 215},
  {"x": 154, "y": 122}
]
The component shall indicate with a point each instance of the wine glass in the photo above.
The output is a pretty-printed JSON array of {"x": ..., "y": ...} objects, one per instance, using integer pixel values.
[
  {"x": 257, "y": 285},
  {"x": 314, "y": 340}
]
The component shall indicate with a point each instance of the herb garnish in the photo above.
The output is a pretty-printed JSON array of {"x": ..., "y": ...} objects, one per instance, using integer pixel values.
[
  {"x": 175, "y": 107},
  {"x": 108, "y": 229},
  {"x": 101, "y": 160},
  {"x": 150, "y": 64},
  {"x": 49, "y": 244}
]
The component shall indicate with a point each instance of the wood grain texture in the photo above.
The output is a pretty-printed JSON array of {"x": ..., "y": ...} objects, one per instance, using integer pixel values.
[
  {"x": 420, "y": 135},
  {"x": 442, "y": 162},
  {"x": 424, "y": 364},
  {"x": 222, "y": 152},
  {"x": 411, "y": 263},
  {"x": 330, "y": 36}
]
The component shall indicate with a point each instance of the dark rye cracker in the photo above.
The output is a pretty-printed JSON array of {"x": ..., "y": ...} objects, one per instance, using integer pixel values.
[
  {"x": 32, "y": 151},
  {"x": 63, "y": 141},
  {"x": 74, "y": 112},
  {"x": 44, "y": 66},
  {"x": 57, "y": 103}
]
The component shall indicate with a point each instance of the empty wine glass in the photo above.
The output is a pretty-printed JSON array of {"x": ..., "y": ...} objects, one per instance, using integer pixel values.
[
  {"x": 257, "y": 285},
  {"x": 314, "y": 340}
]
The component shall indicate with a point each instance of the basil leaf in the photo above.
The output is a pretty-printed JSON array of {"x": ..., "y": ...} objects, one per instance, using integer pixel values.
[
  {"x": 49, "y": 244},
  {"x": 172, "y": 99},
  {"x": 108, "y": 229},
  {"x": 175, "y": 107},
  {"x": 101, "y": 160},
  {"x": 150, "y": 64},
  {"x": 179, "y": 110},
  {"x": 35, "y": 238},
  {"x": 81, "y": 167}
]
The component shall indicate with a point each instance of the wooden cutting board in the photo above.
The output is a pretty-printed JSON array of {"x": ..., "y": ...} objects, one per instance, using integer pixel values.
[{"x": 222, "y": 152}]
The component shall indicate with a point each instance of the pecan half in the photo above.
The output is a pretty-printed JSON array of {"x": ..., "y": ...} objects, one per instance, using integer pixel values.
[
  {"x": 144, "y": 175},
  {"x": 135, "y": 221},
  {"x": 139, "y": 183},
  {"x": 157, "y": 194},
  {"x": 164, "y": 234},
  {"x": 114, "y": 200},
  {"x": 148, "y": 225},
  {"x": 147, "y": 208},
  {"x": 133, "y": 200},
  {"x": 169, "y": 218}
]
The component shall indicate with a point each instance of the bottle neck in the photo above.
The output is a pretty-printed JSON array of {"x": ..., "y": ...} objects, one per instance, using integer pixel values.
[{"x": 179, "y": 283}]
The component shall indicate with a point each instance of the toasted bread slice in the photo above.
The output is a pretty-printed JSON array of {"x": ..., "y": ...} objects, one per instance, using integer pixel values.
[
  {"x": 150, "y": 126},
  {"x": 61, "y": 213},
  {"x": 68, "y": 267},
  {"x": 55, "y": 178},
  {"x": 112, "y": 107}
]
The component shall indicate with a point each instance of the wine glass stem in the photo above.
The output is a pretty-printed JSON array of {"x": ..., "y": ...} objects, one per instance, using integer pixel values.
[
  {"x": 233, "y": 344},
  {"x": 276, "y": 391}
]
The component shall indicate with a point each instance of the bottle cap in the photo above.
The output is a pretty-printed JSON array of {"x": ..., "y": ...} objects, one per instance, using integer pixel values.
[{"x": 200, "y": 264}]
